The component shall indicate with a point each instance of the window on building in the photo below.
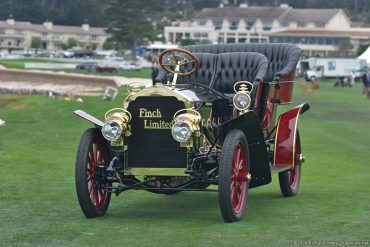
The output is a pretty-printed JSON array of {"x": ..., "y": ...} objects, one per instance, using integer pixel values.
[
  {"x": 249, "y": 25},
  {"x": 254, "y": 40},
  {"x": 44, "y": 34},
  {"x": 267, "y": 26},
  {"x": 201, "y": 22},
  {"x": 242, "y": 40},
  {"x": 230, "y": 40},
  {"x": 2, "y": 31},
  {"x": 234, "y": 25},
  {"x": 274, "y": 39},
  {"x": 284, "y": 23},
  {"x": 93, "y": 37},
  {"x": 19, "y": 31},
  {"x": 9, "y": 43},
  {"x": 319, "y": 24},
  {"x": 19, "y": 42},
  {"x": 217, "y": 24},
  {"x": 301, "y": 24}
]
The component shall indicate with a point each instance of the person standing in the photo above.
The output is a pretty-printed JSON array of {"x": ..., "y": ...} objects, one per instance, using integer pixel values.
[
  {"x": 353, "y": 78},
  {"x": 366, "y": 81}
]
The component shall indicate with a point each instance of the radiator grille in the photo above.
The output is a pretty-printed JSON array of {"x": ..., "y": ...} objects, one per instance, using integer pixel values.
[{"x": 151, "y": 144}]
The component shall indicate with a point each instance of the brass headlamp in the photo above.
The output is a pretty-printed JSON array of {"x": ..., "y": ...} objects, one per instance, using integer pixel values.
[
  {"x": 186, "y": 124},
  {"x": 242, "y": 99},
  {"x": 116, "y": 123}
]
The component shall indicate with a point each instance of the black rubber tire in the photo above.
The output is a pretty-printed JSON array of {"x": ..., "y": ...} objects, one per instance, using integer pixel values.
[
  {"x": 225, "y": 173},
  {"x": 89, "y": 137},
  {"x": 284, "y": 177}
]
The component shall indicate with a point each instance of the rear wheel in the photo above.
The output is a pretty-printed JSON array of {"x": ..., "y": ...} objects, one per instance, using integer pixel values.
[
  {"x": 289, "y": 180},
  {"x": 92, "y": 156},
  {"x": 234, "y": 169}
]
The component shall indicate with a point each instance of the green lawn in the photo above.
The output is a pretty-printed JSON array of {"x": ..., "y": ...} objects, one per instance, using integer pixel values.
[
  {"x": 20, "y": 64},
  {"x": 38, "y": 204}
]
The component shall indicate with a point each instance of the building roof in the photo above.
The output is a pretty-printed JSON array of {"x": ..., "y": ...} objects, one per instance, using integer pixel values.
[
  {"x": 309, "y": 15},
  {"x": 280, "y": 13},
  {"x": 242, "y": 12},
  {"x": 55, "y": 28},
  {"x": 333, "y": 33}
]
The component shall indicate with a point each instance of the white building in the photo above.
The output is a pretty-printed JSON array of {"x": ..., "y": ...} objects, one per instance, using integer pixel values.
[
  {"x": 18, "y": 35},
  {"x": 318, "y": 32}
]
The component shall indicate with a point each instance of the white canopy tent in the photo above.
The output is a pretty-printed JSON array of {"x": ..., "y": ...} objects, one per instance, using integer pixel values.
[{"x": 365, "y": 55}]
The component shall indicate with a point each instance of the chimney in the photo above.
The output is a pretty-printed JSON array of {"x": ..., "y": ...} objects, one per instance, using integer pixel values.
[
  {"x": 48, "y": 25},
  {"x": 221, "y": 5},
  {"x": 10, "y": 20},
  {"x": 86, "y": 27},
  {"x": 243, "y": 5},
  {"x": 284, "y": 5}
]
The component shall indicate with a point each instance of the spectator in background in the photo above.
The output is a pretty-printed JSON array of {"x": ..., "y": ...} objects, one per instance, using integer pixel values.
[
  {"x": 353, "y": 78},
  {"x": 155, "y": 70},
  {"x": 366, "y": 81}
]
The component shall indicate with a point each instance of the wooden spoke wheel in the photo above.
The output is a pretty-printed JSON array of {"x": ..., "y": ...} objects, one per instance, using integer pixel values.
[
  {"x": 93, "y": 156},
  {"x": 233, "y": 183},
  {"x": 174, "y": 57}
]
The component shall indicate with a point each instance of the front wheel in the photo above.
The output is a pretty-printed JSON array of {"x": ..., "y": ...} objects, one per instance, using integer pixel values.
[
  {"x": 233, "y": 176},
  {"x": 93, "y": 156},
  {"x": 289, "y": 180}
]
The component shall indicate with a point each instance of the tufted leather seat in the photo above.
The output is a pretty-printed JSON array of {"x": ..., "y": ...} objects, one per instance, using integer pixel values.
[
  {"x": 282, "y": 58},
  {"x": 206, "y": 72},
  {"x": 238, "y": 66}
]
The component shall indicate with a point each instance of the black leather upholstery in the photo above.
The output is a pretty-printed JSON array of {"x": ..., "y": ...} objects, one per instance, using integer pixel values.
[
  {"x": 282, "y": 58},
  {"x": 238, "y": 66},
  {"x": 206, "y": 72}
]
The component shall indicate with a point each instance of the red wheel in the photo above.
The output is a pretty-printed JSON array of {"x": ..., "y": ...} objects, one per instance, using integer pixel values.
[
  {"x": 92, "y": 156},
  {"x": 289, "y": 180},
  {"x": 233, "y": 176}
]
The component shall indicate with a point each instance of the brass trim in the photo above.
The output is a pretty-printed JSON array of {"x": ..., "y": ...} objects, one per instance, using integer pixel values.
[
  {"x": 276, "y": 135},
  {"x": 155, "y": 171},
  {"x": 158, "y": 90}
]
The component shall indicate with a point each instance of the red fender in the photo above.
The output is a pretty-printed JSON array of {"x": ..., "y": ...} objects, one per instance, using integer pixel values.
[{"x": 285, "y": 137}]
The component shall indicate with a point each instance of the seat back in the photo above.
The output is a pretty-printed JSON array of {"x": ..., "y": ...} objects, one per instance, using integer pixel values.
[
  {"x": 205, "y": 73},
  {"x": 238, "y": 66},
  {"x": 282, "y": 58}
]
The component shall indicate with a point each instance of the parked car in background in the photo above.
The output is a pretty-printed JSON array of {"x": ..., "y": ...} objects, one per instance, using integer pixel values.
[
  {"x": 130, "y": 66},
  {"x": 89, "y": 66},
  {"x": 106, "y": 68}
]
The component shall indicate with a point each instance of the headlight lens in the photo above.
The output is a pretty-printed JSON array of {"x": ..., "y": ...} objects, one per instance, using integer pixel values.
[
  {"x": 242, "y": 101},
  {"x": 111, "y": 131},
  {"x": 181, "y": 131}
]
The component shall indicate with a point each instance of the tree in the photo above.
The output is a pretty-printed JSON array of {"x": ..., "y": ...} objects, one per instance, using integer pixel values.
[
  {"x": 36, "y": 43},
  {"x": 362, "y": 48},
  {"x": 71, "y": 42},
  {"x": 108, "y": 44},
  {"x": 130, "y": 21},
  {"x": 345, "y": 49},
  {"x": 188, "y": 41}
]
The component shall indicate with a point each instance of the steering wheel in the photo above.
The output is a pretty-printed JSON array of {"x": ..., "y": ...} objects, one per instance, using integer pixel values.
[{"x": 177, "y": 57}]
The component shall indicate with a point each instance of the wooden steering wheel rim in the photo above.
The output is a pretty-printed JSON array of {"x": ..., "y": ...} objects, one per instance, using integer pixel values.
[{"x": 196, "y": 67}]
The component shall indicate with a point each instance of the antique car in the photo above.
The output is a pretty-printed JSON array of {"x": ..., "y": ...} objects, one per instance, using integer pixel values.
[{"x": 208, "y": 124}]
